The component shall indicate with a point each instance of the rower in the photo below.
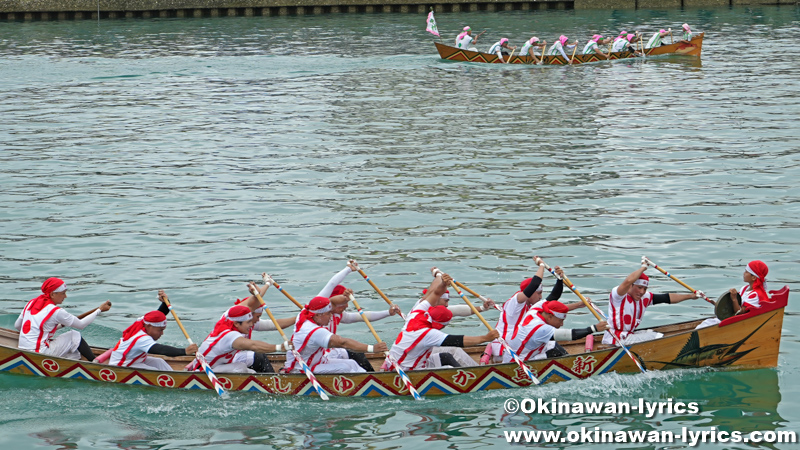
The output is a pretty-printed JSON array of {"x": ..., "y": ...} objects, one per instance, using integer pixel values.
[
  {"x": 687, "y": 33},
  {"x": 339, "y": 297},
  {"x": 540, "y": 329},
  {"x": 437, "y": 294},
  {"x": 558, "y": 48},
  {"x": 415, "y": 346},
  {"x": 139, "y": 340},
  {"x": 592, "y": 46},
  {"x": 42, "y": 316},
  {"x": 311, "y": 339},
  {"x": 626, "y": 306},
  {"x": 516, "y": 307},
  {"x": 622, "y": 44},
  {"x": 753, "y": 294},
  {"x": 655, "y": 41},
  {"x": 228, "y": 337},
  {"x": 253, "y": 360},
  {"x": 497, "y": 48},
  {"x": 530, "y": 44},
  {"x": 465, "y": 41}
]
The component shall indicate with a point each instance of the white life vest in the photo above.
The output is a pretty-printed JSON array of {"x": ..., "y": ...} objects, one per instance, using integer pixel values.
[
  {"x": 535, "y": 329},
  {"x": 590, "y": 48},
  {"x": 412, "y": 349},
  {"x": 496, "y": 48},
  {"x": 217, "y": 350},
  {"x": 464, "y": 42},
  {"x": 619, "y": 45},
  {"x": 509, "y": 321},
  {"x": 654, "y": 41},
  {"x": 37, "y": 329},
  {"x": 312, "y": 354},
  {"x": 626, "y": 317},
  {"x": 135, "y": 349}
]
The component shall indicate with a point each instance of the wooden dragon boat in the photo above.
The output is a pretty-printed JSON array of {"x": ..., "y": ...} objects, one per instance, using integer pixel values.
[
  {"x": 750, "y": 340},
  {"x": 693, "y": 48}
]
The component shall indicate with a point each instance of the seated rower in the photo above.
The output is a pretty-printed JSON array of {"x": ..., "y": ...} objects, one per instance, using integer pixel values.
[
  {"x": 623, "y": 44},
  {"x": 627, "y": 305},
  {"x": 498, "y": 49},
  {"x": 415, "y": 346},
  {"x": 754, "y": 293},
  {"x": 558, "y": 48},
  {"x": 655, "y": 41},
  {"x": 592, "y": 46},
  {"x": 139, "y": 340},
  {"x": 41, "y": 317},
  {"x": 228, "y": 338},
  {"x": 253, "y": 360},
  {"x": 515, "y": 308},
  {"x": 687, "y": 33},
  {"x": 539, "y": 331},
  {"x": 531, "y": 44},
  {"x": 465, "y": 41},
  {"x": 311, "y": 339}
]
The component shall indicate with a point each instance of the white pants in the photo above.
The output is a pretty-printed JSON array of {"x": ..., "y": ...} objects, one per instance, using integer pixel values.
[
  {"x": 458, "y": 353},
  {"x": 336, "y": 365},
  {"x": 244, "y": 356},
  {"x": 234, "y": 367},
  {"x": 632, "y": 338},
  {"x": 152, "y": 363},
  {"x": 65, "y": 346},
  {"x": 708, "y": 323},
  {"x": 337, "y": 353}
]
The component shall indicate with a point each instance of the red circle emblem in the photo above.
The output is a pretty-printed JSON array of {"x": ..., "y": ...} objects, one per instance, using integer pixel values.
[
  {"x": 627, "y": 320},
  {"x": 26, "y": 327},
  {"x": 226, "y": 383},
  {"x": 165, "y": 381},
  {"x": 108, "y": 375},
  {"x": 50, "y": 365}
]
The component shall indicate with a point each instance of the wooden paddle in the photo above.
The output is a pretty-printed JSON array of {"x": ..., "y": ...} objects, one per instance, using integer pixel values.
[
  {"x": 303, "y": 365},
  {"x": 572, "y": 59},
  {"x": 596, "y": 312},
  {"x": 702, "y": 295},
  {"x": 84, "y": 315},
  {"x": 385, "y": 298},
  {"x": 397, "y": 367},
  {"x": 476, "y": 295},
  {"x": 511, "y": 56},
  {"x": 198, "y": 355},
  {"x": 268, "y": 280},
  {"x": 544, "y": 48},
  {"x": 641, "y": 43},
  {"x": 500, "y": 339}
]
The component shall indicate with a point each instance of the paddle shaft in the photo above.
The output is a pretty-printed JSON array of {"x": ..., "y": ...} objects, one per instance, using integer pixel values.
[
  {"x": 288, "y": 295},
  {"x": 378, "y": 290},
  {"x": 82, "y": 316},
  {"x": 297, "y": 356},
  {"x": 474, "y": 294},
  {"x": 678, "y": 281},
  {"x": 511, "y": 56},
  {"x": 572, "y": 59},
  {"x": 472, "y": 307},
  {"x": 177, "y": 320}
]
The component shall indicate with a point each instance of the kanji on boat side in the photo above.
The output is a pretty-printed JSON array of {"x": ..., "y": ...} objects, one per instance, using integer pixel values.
[
  {"x": 692, "y": 48},
  {"x": 749, "y": 340}
]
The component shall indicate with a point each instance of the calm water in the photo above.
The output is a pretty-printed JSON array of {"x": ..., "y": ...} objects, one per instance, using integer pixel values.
[{"x": 192, "y": 155}]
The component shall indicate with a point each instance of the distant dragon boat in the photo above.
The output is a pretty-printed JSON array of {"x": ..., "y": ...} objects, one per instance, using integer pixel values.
[
  {"x": 750, "y": 340},
  {"x": 693, "y": 48}
]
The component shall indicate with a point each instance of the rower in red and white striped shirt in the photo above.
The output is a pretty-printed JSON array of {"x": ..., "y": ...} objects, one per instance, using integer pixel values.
[
  {"x": 414, "y": 347},
  {"x": 627, "y": 304},
  {"x": 41, "y": 317},
  {"x": 139, "y": 340},
  {"x": 312, "y": 340},
  {"x": 229, "y": 337}
]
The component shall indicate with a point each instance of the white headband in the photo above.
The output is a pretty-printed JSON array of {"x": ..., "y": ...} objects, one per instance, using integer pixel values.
[
  {"x": 446, "y": 296},
  {"x": 641, "y": 282},
  {"x": 259, "y": 310},
  {"x": 155, "y": 324},
  {"x": 243, "y": 318},
  {"x": 61, "y": 288},
  {"x": 323, "y": 310},
  {"x": 559, "y": 315},
  {"x": 747, "y": 268}
]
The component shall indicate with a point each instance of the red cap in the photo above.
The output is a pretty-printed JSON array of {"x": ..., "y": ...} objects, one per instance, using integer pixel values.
[{"x": 338, "y": 290}]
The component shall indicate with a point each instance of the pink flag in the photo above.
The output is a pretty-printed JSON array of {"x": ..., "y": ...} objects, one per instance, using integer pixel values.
[{"x": 432, "y": 24}]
